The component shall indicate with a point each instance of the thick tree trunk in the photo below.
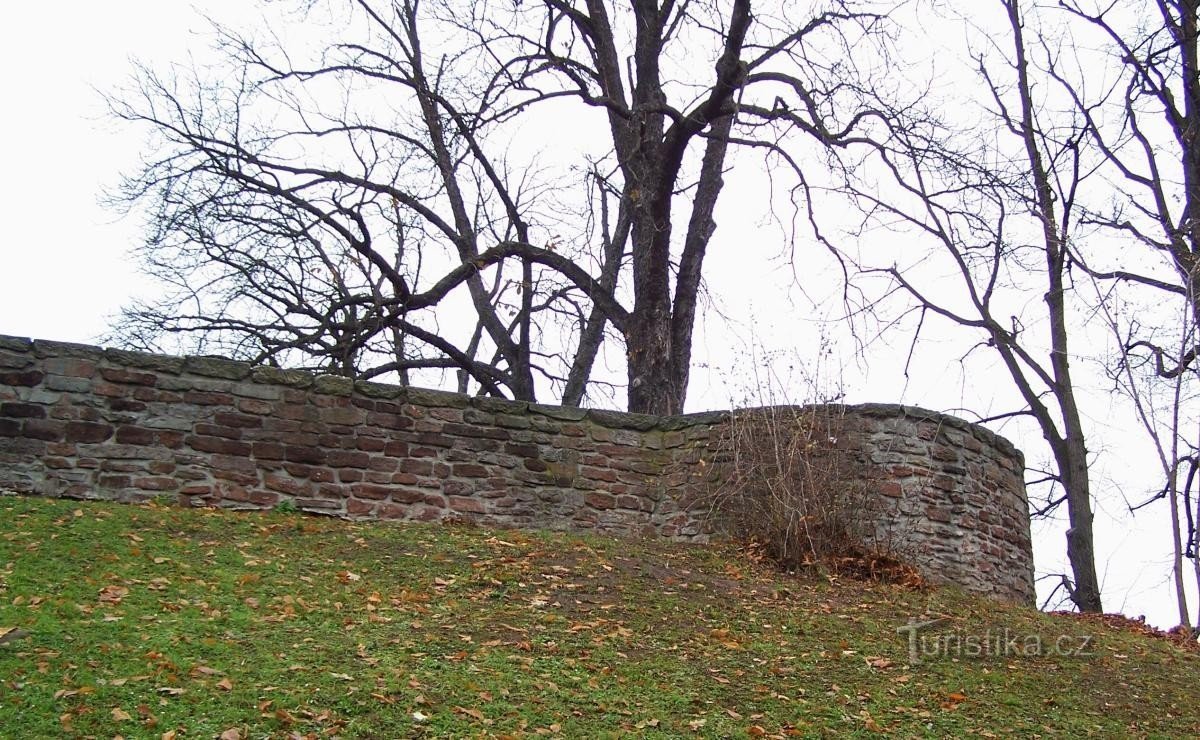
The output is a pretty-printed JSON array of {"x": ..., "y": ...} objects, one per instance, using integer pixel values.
[{"x": 653, "y": 379}]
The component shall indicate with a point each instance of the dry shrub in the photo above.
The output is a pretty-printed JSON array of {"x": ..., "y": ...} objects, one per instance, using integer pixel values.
[{"x": 781, "y": 482}]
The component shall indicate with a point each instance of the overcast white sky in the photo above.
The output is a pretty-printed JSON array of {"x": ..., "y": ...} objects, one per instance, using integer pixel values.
[{"x": 64, "y": 268}]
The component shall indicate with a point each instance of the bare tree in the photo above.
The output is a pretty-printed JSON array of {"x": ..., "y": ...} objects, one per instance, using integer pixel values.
[
  {"x": 1161, "y": 398},
  {"x": 1143, "y": 121},
  {"x": 1146, "y": 124},
  {"x": 995, "y": 207},
  {"x": 383, "y": 159}
]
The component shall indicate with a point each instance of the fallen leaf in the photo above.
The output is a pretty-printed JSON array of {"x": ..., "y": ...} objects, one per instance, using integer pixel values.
[
  {"x": 473, "y": 713},
  {"x": 120, "y": 715},
  {"x": 204, "y": 671},
  {"x": 233, "y": 733},
  {"x": 113, "y": 594},
  {"x": 225, "y": 684}
]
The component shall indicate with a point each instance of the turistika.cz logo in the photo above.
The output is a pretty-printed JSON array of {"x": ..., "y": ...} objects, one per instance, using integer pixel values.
[{"x": 926, "y": 643}]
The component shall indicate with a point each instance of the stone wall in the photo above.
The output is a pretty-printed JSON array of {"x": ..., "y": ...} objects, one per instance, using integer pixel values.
[{"x": 80, "y": 421}]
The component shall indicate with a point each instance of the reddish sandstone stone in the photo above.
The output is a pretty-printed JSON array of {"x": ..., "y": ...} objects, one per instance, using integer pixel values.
[
  {"x": 240, "y": 421},
  {"x": 21, "y": 378},
  {"x": 467, "y": 505},
  {"x": 370, "y": 491},
  {"x": 435, "y": 440},
  {"x": 286, "y": 485},
  {"x": 348, "y": 459},
  {"x": 267, "y": 450},
  {"x": 88, "y": 431},
  {"x": 114, "y": 481},
  {"x": 207, "y": 398},
  {"x": 121, "y": 375},
  {"x": 388, "y": 510},
  {"x": 890, "y": 488},
  {"x": 469, "y": 470},
  {"x": 309, "y": 455},
  {"x": 369, "y": 444},
  {"x": 383, "y": 464},
  {"x": 22, "y": 411},
  {"x": 219, "y": 445},
  {"x": 598, "y": 500},
  {"x": 417, "y": 467},
  {"x": 255, "y": 406},
  {"x": 72, "y": 367},
  {"x": 130, "y": 435},
  {"x": 407, "y": 495},
  {"x": 251, "y": 496},
  {"x": 48, "y": 430},
  {"x": 216, "y": 430}
]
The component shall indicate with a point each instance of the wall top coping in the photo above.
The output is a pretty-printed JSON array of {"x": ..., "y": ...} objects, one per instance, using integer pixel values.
[{"x": 235, "y": 370}]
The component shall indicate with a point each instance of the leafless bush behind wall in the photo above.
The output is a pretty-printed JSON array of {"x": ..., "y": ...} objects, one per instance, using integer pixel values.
[{"x": 781, "y": 481}]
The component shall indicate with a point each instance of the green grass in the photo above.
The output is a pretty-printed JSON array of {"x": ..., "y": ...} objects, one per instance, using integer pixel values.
[{"x": 146, "y": 620}]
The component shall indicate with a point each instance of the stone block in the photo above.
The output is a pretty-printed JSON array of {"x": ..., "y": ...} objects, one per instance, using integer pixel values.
[
  {"x": 334, "y": 385},
  {"x": 47, "y": 349},
  {"x": 145, "y": 361},
  {"x": 129, "y": 377},
  {"x": 302, "y": 454},
  {"x": 123, "y": 452},
  {"x": 216, "y": 367},
  {"x": 278, "y": 376},
  {"x": 26, "y": 378},
  {"x": 48, "y": 430},
  {"x": 15, "y": 344},
  {"x": 13, "y": 410},
  {"x": 379, "y": 390},
  {"x": 219, "y": 445}
]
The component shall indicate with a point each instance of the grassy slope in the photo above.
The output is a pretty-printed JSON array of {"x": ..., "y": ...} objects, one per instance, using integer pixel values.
[{"x": 145, "y": 621}]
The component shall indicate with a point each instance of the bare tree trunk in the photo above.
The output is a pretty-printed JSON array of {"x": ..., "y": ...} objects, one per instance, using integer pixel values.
[{"x": 1070, "y": 450}]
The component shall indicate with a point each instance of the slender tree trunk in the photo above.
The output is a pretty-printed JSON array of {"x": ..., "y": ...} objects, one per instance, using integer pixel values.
[
  {"x": 1070, "y": 448},
  {"x": 1081, "y": 551}
]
